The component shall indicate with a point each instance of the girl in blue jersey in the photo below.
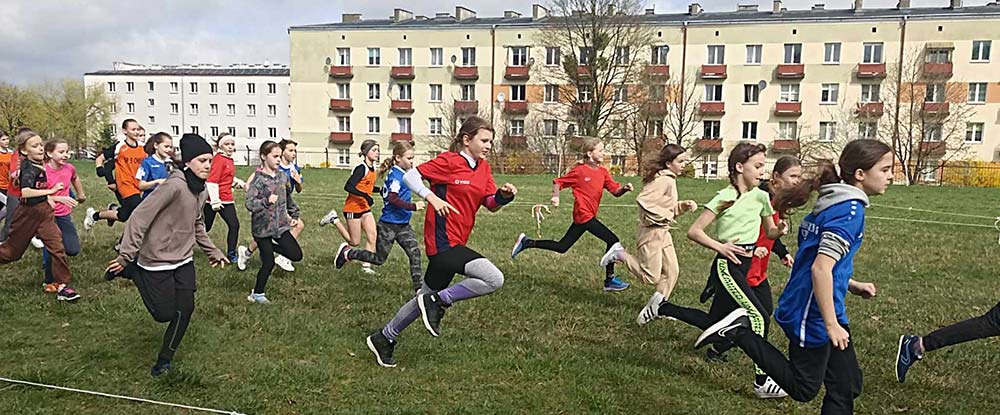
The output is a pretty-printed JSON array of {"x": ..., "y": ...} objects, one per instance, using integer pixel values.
[
  {"x": 155, "y": 168},
  {"x": 394, "y": 224},
  {"x": 811, "y": 309}
]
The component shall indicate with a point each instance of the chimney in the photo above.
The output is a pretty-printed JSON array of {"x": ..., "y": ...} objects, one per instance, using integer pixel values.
[
  {"x": 650, "y": 12},
  {"x": 859, "y": 6},
  {"x": 538, "y": 12},
  {"x": 437, "y": 15},
  {"x": 350, "y": 17},
  {"x": 819, "y": 6},
  {"x": 903, "y": 4},
  {"x": 746, "y": 7},
  {"x": 776, "y": 7},
  {"x": 694, "y": 9},
  {"x": 400, "y": 15},
  {"x": 462, "y": 13},
  {"x": 956, "y": 4},
  {"x": 421, "y": 17},
  {"x": 510, "y": 14}
]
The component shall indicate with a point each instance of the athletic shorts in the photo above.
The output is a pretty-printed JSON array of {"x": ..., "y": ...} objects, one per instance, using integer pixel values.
[
  {"x": 357, "y": 215},
  {"x": 128, "y": 205}
]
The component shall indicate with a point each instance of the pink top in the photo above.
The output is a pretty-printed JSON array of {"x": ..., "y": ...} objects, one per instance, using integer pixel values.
[{"x": 65, "y": 175}]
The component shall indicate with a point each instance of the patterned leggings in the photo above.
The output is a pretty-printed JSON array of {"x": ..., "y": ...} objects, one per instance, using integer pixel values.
[{"x": 388, "y": 233}]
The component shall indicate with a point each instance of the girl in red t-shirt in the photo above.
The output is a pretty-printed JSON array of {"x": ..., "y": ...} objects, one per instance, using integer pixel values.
[
  {"x": 220, "y": 186},
  {"x": 588, "y": 179}
]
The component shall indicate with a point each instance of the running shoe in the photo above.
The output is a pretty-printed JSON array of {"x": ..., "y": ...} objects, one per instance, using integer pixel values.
[
  {"x": 284, "y": 263},
  {"x": 769, "y": 390},
  {"x": 367, "y": 269},
  {"x": 88, "y": 221},
  {"x": 37, "y": 243},
  {"x": 519, "y": 245},
  {"x": 242, "y": 256},
  {"x": 724, "y": 329},
  {"x": 331, "y": 217},
  {"x": 382, "y": 348},
  {"x": 615, "y": 284},
  {"x": 431, "y": 312},
  {"x": 651, "y": 310},
  {"x": 50, "y": 288},
  {"x": 907, "y": 354},
  {"x": 613, "y": 254},
  {"x": 342, "y": 258},
  {"x": 258, "y": 298},
  {"x": 67, "y": 294},
  {"x": 159, "y": 369}
]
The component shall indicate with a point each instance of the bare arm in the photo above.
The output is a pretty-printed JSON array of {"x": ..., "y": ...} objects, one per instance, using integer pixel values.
[
  {"x": 697, "y": 233},
  {"x": 822, "y": 279}
]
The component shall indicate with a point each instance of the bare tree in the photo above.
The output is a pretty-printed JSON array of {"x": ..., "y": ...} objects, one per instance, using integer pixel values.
[{"x": 452, "y": 113}]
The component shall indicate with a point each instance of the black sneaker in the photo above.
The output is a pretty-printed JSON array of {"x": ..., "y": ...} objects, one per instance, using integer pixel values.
[
  {"x": 341, "y": 258},
  {"x": 159, "y": 369},
  {"x": 724, "y": 330},
  {"x": 382, "y": 348},
  {"x": 431, "y": 312}
]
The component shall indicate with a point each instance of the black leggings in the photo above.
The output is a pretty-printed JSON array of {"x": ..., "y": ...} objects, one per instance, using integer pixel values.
[
  {"x": 573, "y": 234},
  {"x": 285, "y": 245},
  {"x": 987, "y": 325},
  {"x": 228, "y": 213},
  {"x": 169, "y": 297}
]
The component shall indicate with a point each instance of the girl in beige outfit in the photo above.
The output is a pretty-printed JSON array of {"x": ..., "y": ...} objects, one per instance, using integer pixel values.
[{"x": 655, "y": 261}]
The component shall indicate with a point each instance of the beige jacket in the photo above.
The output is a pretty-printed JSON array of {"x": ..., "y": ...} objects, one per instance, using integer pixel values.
[{"x": 658, "y": 200}]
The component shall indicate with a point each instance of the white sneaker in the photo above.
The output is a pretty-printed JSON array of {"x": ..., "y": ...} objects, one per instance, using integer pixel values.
[
  {"x": 769, "y": 390},
  {"x": 651, "y": 310},
  {"x": 612, "y": 254},
  {"x": 37, "y": 243},
  {"x": 367, "y": 269},
  {"x": 284, "y": 263},
  {"x": 330, "y": 217},
  {"x": 258, "y": 298},
  {"x": 88, "y": 221},
  {"x": 242, "y": 256}
]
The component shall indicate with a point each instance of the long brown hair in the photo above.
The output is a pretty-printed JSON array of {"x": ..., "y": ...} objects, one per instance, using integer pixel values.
[
  {"x": 658, "y": 162},
  {"x": 857, "y": 155},
  {"x": 154, "y": 141},
  {"x": 397, "y": 151},
  {"x": 469, "y": 128},
  {"x": 50, "y": 146}
]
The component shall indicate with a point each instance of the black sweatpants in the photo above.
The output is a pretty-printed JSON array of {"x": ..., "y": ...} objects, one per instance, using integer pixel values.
[
  {"x": 573, "y": 234},
  {"x": 806, "y": 369},
  {"x": 389, "y": 233},
  {"x": 169, "y": 297},
  {"x": 986, "y": 325},
  {"x": 285, "y": 245},
  {"x": 228, "y": 213}
]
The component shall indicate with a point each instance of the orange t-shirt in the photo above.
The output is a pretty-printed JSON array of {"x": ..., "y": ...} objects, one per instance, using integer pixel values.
[
  {"x": 5, "y": 169},
  {"x": 127, "y": 162},
  {"x": 355, "y": 203}
]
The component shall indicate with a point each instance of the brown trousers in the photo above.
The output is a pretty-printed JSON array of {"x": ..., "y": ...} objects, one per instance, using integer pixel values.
[
  {"x": 655, "y": 260},
  {"x": 29, "y": 221}
]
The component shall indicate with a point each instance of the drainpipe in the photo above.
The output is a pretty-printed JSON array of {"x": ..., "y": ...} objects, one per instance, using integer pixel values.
[
  {"x": 493, "y": 71},
  {"x": 899, "y": 86},
  {"x": 684, "y": 48}
]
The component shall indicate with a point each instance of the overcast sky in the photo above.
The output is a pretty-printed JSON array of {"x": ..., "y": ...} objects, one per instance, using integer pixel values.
[{"x": 51, "y": 39}]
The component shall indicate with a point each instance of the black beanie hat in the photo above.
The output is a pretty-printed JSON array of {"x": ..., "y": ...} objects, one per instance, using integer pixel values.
[{"x": 193, "y": 145}]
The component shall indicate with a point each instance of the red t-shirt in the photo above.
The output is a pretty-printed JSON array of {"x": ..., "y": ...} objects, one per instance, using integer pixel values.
[
  {"x": 222, "y": 173},
  {"x": 758, "y": 266},
  {"x": 13, "y": 190},
  {"x": 463, "y": 187},
  {"x": 588, "y": 185}
]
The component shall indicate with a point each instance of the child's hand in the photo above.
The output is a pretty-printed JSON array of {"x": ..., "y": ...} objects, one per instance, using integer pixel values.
[
  {"x": 218, "y": 206},
  {"x": 508, "y": 190},
  {"x": 732, "y": 252},
  {"x": 59, "y": 186},
  {"x": 81, "y": 198},
  {"x": 114, "y": 267},
  {"x": 783, "y": 226},
  {"x": 555, "y": 201},
  {"x": 272, "y": 199},
  {"x": 295, "y": 222},
  {"x": 66, "y": 200},
  {"x": 760, "y": 252},
  {"x": 420, "y": 205},
  {"x": 788, "y": 260},
  {"x": 628, "y": 187},
  {"x": 440, "y": 206},
  {"x": 689, "y": 206},
  {"x": 838, "y": 336},
  {"x": 864, "y": 290}
]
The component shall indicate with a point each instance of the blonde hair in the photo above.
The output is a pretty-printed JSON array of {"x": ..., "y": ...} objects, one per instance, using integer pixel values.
[
  {"x": 397, "y": 151},
  {"x": 589, "y": 144}
]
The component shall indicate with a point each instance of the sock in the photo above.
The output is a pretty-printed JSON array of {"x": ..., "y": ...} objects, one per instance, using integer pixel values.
[
  {"x": 760, "y": 379},
  {"x": 658, "y": 298}
]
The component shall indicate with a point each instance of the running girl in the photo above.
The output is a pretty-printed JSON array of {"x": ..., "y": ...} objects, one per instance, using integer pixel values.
[
  {"x": 5, "y": 154},
  {"x": 128, "y": 156},
  {"x": 462, "y": 183},
  {"x": 220, "y": 193},
  {"x": 394, "y": 224},
  {"x": 588, "y": 179},
  {"x": 912, "y": 348},
  {"x": 156, "y": 167},
  {"x": 358, "y": 206},
  {"x": 60, "y": 173},
  {"x": 288, "y": 165},
  {"x": 811, "y": 310}
]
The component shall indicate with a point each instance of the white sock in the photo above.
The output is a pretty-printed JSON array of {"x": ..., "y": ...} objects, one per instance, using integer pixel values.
[{"x": 658, "y": 298}]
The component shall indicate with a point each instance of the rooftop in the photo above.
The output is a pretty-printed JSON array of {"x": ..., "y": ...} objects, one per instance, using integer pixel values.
[{"x": 201, "y": 69}]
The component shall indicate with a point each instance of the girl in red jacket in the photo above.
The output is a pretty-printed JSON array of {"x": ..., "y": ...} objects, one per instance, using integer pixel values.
[{"x": 220, "y": 193}]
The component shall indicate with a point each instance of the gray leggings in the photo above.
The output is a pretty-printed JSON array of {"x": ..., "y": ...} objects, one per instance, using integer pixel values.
[
  {"x": 12, "y": 203},
  {"x": 388, "y": 233}
]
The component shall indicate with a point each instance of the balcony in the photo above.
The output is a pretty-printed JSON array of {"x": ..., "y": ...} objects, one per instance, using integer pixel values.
[
  {"x": 583, "y": 71},
  {"x": 658, "y": 71},
  {"x": 708, "y": 145},
  {"x": 933, "y": 69},
  {"x": 658, "y": 108},
  {"x": 401, "y": 72},
  {"x": 871, "y": 70},
  {"x": 791, "y": 71},
  {"x": 341, "y": 72},
  {"x": 341, "y": 105},
  {"x": 516, "y": 73},
  {"x": 515, "y": 141},
  {"x": 401, "y": 106},
  {"x": 935, "y": 108},
  {"x": 581, "y": 108},
  {"x": 342, "y": 138},
  {"x": 466, "y": 73},
  {"x": 467, "y": 107},
  {"x": 788, "y": 108},
  {"x": 712, "y": 108},
  {"x": 397, "y": 137},
  {"x": 713, "y": 71},
  {"x": 785, "y": 146},
  {"x": 869, "y": 109},
  {"x": 515, "y": 107},
  {"x": 933, "y": 148}
]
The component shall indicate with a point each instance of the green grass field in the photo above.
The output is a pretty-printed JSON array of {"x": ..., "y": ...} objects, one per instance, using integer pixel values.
[{"x": 548, "y": 342}]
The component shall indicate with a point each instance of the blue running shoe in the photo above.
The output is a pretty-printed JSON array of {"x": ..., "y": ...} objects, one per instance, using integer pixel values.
[
  {"x": 615, "y": 284},
  {"x": 159, "y": 369},
  {"x": 519, "y": 245},
  {"x": 907, "y": 354}
]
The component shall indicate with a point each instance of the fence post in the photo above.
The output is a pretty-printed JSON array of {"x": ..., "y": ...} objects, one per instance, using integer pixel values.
[{"x": 326, "y": 152}]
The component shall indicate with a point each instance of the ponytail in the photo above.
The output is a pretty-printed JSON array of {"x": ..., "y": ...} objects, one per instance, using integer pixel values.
[{"x": 398, "y": 150}]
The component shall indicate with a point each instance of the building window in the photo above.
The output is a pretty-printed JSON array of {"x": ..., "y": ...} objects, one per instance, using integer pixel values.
[
  {"x": 405, "y": 57},
  {"x": 231, "y": 88},
  {"x": 517, "y": 128},
  {"x": 405, "y": 125},
  {"x": 272, "y": 110},
  {"x": 710, "y": 167},
  {"x": 344, "y": 91},
  {"x": 827, "y": 131},
  {"x": 873, "y": 53},
  {"x": 655, "y": 128},
  {"x": 974, "y": 132},
  {"x": 194, "y": 109},
  {"x": 129, "y": 87},
  {"x": 935, "y": 93},
  {"x": 977, "y": 93},
  {"x": 517, "y": 93},
  {"x": 231, "y": 131},
  {"x": 344, "y": 124},
  {"x": 749, "y": 130},
  {"x": 374, "y": 125},
  {"x": 436, "y": 126},
  {"x": 174, "y": 87},
  {"x": 111, "y": 87},
  {"x": 751, "y": 93},
  {"x": 130, "y": 108},
  {"x": 552, "y": 56},
  {"x": 469, "y": 92},
  {"x": 252, "y": 132},
  {"x": 551, "y": 93},
  {"x": 621, "y": 93},
  {"x": 405, "y": 92},
  {"x": 981, "y": 50},
  {"x": 932, "y": 132},
  {"x": 518, "y": 56},
  {"x": 436, "y": 92},
  {"x": 152, "y": 119},
  {"x": 754, "y": 53},
  {"x": 870, "y": 93},
  {"x": 712, "y": 130},
  {"x": 175, "y": 108},
  {"x": 586, "y": 55},
  {"x": 344, "y": 56},
  {"x": 343, "y": 156},
  {"x": 374, "y": 92},
  {"x": 251, "y": 88},
  {"x": 938, "y": 56},
  {"x": 584, "y": 93},
  {"x": 114, "y": 108},
  {"x": 213, "y": 88},
  {"x": 215, "y": 131},
  {"x": 252, "y": 110},
  {"x": 230, "y": 109},
  {"x": 194, "y": 129},
  {"x": 829, "y": 93},
  {"x": 437, "y": 57},
  {"x": 713, "y": 93},
  {"x": 150, "y": 86},
  {"x": 213, "y": 109},
  {"x": 788, "y": 130},
  {"x": 716, "y": 55},
  {"x": 659, "y": 55},
  {"x": 272, "y": 132},
  {"x": 550, "y": 128},
  {"x": 618, "y": 129},
  {"x": 657, "y": 92},
  {"x": 374, "y": 56},
  {"x": 152, "y": 102},
  {"x": 175, "y": 130},
  {"x": 868, "y": 130},
  {"x": 468, "y": 56},
  {"x": 193, "y": 87},
  {"x": 789, "y": 93},
  {"x": 622, "y": 55},
  {"x": 793, "y": 53},
  {"x": 272, "y": 88}
]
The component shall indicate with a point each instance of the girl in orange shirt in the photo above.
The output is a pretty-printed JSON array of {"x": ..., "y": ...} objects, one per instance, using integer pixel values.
[{"x": 358, "y": 207}]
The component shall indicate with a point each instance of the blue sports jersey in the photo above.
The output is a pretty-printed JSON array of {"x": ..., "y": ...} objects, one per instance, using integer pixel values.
[
  {"x": 797, "y": 312},
  {"x": 394, "y": 184},
  {"x": 151, "y": 169},
  {"x": 288, "y": 172}
]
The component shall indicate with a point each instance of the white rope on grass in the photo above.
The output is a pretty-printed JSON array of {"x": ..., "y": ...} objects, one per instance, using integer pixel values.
[
  {"x": 129, "y": 398},
  {"x": 935, "y": 211}
]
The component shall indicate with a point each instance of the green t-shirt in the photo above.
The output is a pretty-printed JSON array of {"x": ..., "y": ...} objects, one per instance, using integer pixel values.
[{"x": 741, "y": 221}]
